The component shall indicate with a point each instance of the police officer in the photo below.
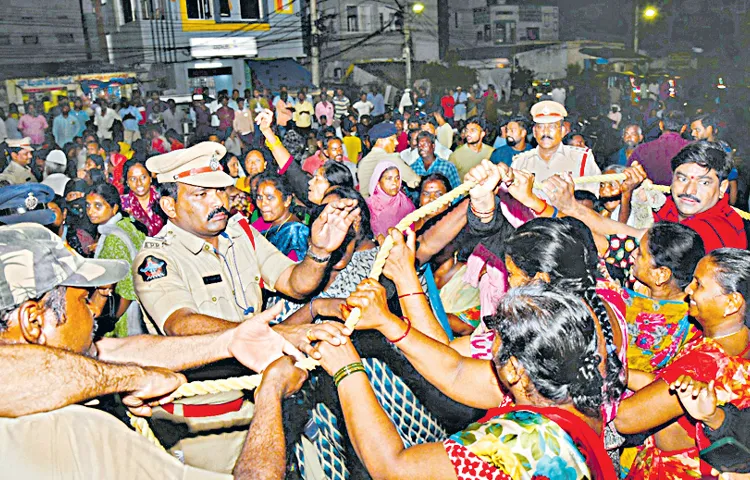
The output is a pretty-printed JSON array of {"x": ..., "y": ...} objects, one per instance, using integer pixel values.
[
  {"x": 27, "y": 203},
  {"x": 204, "y": 271},
  {"x": 18, "y": 170},
  {"x": 551, "y": 156}
]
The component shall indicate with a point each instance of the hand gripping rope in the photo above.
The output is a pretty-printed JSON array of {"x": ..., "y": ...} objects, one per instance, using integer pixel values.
[{"x": 250, "y": 382}]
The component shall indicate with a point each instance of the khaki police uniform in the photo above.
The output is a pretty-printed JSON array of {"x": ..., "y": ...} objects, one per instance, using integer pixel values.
[
  {"x": 177, "y": 269},
  {"x": 14, "y": 173},
  {"x": 579, "y": 161}
]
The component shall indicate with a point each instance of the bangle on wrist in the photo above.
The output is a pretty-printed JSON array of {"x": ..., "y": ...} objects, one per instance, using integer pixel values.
[
  {"x": 408, "y": 329},
  {"x": 312, "y": 313},
  {"x": 276, "y": 142},
  {"x": 347, "y": 370},
  {"x": 479, "y": 214},
  {"x": 543, "y": 208},
  {"x": 555, "y": 212},
  {"x": 317, "y": 258},
  {"x": 410, "y": 294}
]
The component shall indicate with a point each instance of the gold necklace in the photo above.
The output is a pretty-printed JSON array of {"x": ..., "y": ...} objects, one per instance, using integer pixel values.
[
  {"x": 726, "y": 335},
  {"x": 265, "y": 234}
]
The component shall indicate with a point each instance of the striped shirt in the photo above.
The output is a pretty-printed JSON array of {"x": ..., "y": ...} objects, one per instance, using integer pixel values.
[{"x": 341, "y": 106}]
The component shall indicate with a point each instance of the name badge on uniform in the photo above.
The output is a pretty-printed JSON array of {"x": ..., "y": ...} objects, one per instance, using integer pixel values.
[{"x": 211, "y": 279}]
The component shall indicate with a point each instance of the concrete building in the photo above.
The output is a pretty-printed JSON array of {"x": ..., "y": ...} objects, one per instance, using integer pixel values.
[
  {"x": 184, "y": 44},
  {"x": 369, "y": 31},
  {"x": 37, "y": 33},
  {"x": 484, "y": 26}
]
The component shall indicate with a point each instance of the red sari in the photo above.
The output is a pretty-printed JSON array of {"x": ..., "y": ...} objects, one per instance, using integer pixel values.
[{"x": 704, "y": 360}]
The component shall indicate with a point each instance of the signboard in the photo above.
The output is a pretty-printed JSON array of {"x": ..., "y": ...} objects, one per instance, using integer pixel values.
[
  {"x": 211, "y": 47},
  {"x": 284, "y": 6}
]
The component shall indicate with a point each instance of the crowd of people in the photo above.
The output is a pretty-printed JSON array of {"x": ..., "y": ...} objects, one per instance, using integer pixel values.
[{"x": 540, "y": 328}]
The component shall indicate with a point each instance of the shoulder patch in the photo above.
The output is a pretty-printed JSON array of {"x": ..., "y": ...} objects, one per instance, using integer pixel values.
[{"x": 152, "y": 268}]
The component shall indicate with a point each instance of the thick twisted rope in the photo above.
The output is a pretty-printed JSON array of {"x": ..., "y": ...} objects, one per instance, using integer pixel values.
[
  {"x": 621, "y": 176},
  {"x": 250, "y": 382}
]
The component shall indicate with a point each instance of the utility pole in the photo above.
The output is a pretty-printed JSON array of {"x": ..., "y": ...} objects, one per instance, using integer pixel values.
[
  {"x": 636, "y": 24},
  {"x": 407, "y": 52},
  {"x": 315, "y": 61},
  {"x": 102, "y": 36}
]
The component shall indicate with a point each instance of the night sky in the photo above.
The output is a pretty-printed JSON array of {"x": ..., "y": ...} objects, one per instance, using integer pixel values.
[{"x": 596, "y": 20}]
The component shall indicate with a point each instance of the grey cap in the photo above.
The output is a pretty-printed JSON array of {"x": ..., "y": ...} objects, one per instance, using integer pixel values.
[{"x": 33, "y": 261}]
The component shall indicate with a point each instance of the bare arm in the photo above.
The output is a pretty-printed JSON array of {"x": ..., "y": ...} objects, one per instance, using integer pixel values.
[
  {"x": 39, "y": 379},
  {"x": 326, "y": 235},
  {"x": 264, "y": 120},
  {"x": 185, "y": 322},
  {"x": 399, "y": 267},
  {"x": 652, "y": 406},
  {"x": 560, "y": 190},
  {"x": 442, "y": 233},
  {"x": 465, "y": 380},
  {"x": 263, "y": 456},
  {"x": 173, "y": 353},
  {"x": 373, "y": 436}
]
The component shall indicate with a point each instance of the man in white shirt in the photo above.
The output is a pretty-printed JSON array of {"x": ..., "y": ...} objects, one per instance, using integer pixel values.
[
  {"x": 363, "y": 107},
  {"x": 551, "y": 156},
  {"x": 104, "y": 120}
]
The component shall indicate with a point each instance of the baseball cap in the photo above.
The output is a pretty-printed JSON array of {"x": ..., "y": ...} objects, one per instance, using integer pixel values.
[{"x": 33, "y": 261}]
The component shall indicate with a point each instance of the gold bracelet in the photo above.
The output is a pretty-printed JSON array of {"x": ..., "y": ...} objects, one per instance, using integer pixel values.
[{"x": 275, "y": 143}]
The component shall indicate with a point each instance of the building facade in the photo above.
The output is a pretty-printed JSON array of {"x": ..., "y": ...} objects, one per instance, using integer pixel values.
[
  {"x": 185, "y": 44},
  {"x": 373, "y": 31},
  {"x": 488, "y": 24}
]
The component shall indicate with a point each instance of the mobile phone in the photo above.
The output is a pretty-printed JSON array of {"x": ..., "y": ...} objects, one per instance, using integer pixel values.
[{"x": 727, "y": 455}]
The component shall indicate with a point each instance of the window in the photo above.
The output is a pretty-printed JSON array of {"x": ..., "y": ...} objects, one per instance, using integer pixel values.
[
  {"x": 199, "y": 9},
  {"x": 386, "y": 19},
  {"x": 338, "y": 73},
  {"x": 30, "y": 39},
  {"x": 481, "y": 15},
  {"x": 352, "y": 19},
  {"x": 455, "y": 19},
  {"x": 65, "y": 38},
  {"x": 250, "y": 9},
  {"x": 532, "y": 34},
  {"x": 4, "y": 39},
  {"x": 479, "y": 36},
  {"x": 487, "y": 33},
  {"x": 153, "y": 9},
  {"x": 127, "y": 11},
  {"x": 505, "y": 31}
]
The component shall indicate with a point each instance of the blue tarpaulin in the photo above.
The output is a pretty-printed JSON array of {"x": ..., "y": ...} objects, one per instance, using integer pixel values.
[{"x": 274, "y": 73}]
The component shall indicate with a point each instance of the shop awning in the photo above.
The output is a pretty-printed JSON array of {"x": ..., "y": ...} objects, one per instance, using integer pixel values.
[{"x": 284, "y": 71}]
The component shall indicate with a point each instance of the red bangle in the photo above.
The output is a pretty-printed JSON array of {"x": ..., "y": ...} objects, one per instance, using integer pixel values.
[
  {"x": 478, "y": 213},
  {"x": 408, "y": 329},
  {"x": 410, "y": 294},
  {"x": 543, "y": 208}
]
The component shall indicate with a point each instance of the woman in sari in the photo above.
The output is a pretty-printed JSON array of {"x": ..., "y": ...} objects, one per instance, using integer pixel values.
[
  {"x": 420, "y": 411},
  {"x": 547, "y": 358},
  {"x": 718, "y": 293},
  {"x": 387, "y": 203},
  {"x": 273, "y": 199},
  {"x": 326, "y": 179},
  {"x": 141, "y": 199}
]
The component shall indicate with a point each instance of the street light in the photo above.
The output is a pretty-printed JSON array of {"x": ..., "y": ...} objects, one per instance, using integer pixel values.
[
  {"x": 417, "y": 8},
  {"x": 649, "y": 13}
]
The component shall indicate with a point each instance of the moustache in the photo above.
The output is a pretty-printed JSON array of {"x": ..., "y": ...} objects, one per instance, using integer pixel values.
[
  {"x": 218, "y": 211},
  {"x": 614, "y": 198},
  {"x": 547, "y": 137},
  {"x": 510, "y": 141},
  {"x": 689, "y": 197}
]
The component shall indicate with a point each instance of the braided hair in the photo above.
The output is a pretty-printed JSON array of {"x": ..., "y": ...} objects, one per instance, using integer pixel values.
[
  {"x": 564, "y": 249},
  {"x": 552, "y": 334}
]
